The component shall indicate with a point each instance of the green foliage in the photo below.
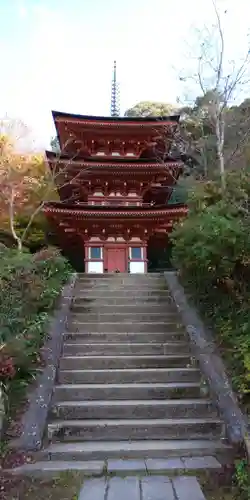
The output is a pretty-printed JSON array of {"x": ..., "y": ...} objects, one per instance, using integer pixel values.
[
  {"x": 151, "y": 108},
  {"x": 179, "y": 194},
  {"x": 197, "y": 132},
  {"x": 6, "y": 239},
  {"x": 159, "y": 257},
  {"x": 242, "y": 479},
  {"x": 29, "y": 287},
  {"x": 36, "y": 236},
  {"x": 212, "y": 251}
]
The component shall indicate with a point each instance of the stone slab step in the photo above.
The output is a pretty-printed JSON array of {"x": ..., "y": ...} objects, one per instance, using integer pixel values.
[
  {"x": 185, "y": 463},
  {"x": 126, "y": 281},
  {"x": 120, "y": 288},
  {"x": 123, "y": 283},
  {"x": 123, "y": 429},
  {"x": 46, "y": 468},
  {"x": 130, "y": 376},
  {"x": 154, "y": 308},
  {"x": 142, "y": 488},
  {"x": 119, "y": 276},
  {"x": 123, "y": 467},
  {"x": 141, "y": 409},
  {"x": 122, "y": 304},
  {"x": 121, "y": 295},
  {"x": 104, "y": 362},
  {"x": 103, "y": 317},
  {"x": 133, "y": 391},
  {"x": 122, "y": 337},
  {"x": 156, "y": 274},
  {"x": 103, "y": 450},
  {"x": 186, "y": 488},
  {"x": 125, "y": 327},
  {"x": 154, "y": 465},
  {"x": 129, "y": 348}
]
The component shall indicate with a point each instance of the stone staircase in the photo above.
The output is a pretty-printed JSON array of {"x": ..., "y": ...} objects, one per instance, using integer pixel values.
[{"x": 129, "y": 394}]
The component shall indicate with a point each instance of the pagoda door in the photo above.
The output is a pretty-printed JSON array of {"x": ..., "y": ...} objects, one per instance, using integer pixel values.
[{"x": 116, "y": 259}]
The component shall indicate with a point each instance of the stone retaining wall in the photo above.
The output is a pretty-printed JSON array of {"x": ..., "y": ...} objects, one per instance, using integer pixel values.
[
  {"x": 211, "y": 365},
  {"x": 35, "y": 417}
]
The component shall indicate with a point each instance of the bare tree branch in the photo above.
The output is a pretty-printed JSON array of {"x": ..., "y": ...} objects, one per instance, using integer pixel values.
[{"x": 218, "y": 84}]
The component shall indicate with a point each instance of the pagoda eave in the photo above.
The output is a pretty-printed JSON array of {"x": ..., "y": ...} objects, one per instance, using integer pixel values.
[
  {"x": 107, "y": 121},
  {"x": 94, "y": 212},
  {"x": 76, "y": 164},
  {"x": 93, "y": 222}
]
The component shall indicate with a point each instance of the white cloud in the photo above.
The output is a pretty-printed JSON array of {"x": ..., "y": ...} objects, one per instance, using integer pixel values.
[{"x": 22, "y": 11}]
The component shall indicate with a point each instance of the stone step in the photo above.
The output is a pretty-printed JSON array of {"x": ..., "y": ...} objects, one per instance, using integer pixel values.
[
  {"x": 116, "y": 277},
  {"x": 155, "y": 466},
  {"x": 185, "y": 488},
  {"x": 123, "y": 391},
  {"x": 121, "y": 295},
  {"x": 156, "y": 274},
  {"x": 122, "y": 467},
  {"x": 103, "y": 317},
  {"x": 135, "y": 308},
  {"x": 124, "y": 301},
  {"x": 143, "y": 449},
  {"x": 133, "y": 409},
  {"x": 113, "y": 348},
  {"x": 104, "y": 362},
  {"x": 125, "y": 327},
  {"x": 46, "y": 469},
  {"x": 120, "y": 277},
  {"x": 122, "y": 337},
  {"x": 141, "y": 488},
  {"x": 128, "y": 429},
  {"x": 119, "y": 288},
  {"x": 127, "y": 284},
  {"x": 131, "y": 279},
  {"x": 130, "y": 376}
]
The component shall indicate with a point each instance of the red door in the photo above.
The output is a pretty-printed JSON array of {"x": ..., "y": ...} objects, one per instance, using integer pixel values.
[{"x": 116, "y": 259}]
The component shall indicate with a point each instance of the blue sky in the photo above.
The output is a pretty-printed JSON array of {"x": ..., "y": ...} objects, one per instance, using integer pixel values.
[{"x": 58, "y": 54}]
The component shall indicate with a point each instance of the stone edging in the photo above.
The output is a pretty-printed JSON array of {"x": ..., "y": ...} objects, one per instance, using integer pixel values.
[
  {"x": 35, "y": 417},
  {"x": 211, "y": 365}
]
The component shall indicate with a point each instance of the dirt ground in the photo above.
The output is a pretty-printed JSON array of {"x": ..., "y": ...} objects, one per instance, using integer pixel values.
[{"x": 63, "y": 487}]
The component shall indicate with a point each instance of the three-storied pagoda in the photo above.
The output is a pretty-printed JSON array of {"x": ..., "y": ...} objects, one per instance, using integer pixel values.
[{"x": 109, "y": 176}]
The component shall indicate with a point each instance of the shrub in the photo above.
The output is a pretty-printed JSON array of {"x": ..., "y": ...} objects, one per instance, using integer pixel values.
[
  {"x": 212, "y": 252},
  {"x": 29, "y": 286},
  {"x": 36, "y": 236}
]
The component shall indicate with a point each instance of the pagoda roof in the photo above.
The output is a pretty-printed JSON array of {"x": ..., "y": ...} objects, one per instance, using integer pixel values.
[
  {"x": 114, "y": 120},
  {"x": 114, "y": 162},
  {"x": 93, "y": 211}
]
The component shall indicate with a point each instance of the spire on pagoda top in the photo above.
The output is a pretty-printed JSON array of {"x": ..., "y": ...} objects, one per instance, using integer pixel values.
[{"x": 115, "y": 97}]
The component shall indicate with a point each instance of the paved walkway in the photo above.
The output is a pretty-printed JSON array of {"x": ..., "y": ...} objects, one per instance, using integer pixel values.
[{"x": 143, "y": 488}]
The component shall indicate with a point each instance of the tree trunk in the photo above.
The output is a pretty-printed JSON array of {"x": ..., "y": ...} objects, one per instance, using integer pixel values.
[
  {"x": 12, "y": 223},
  {"x": 220, "y": 134}
]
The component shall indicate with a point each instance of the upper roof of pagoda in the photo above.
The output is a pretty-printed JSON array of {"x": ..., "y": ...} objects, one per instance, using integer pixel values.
[
  {"x": 93, "y": 136},
  {"x": 106, "y": 120}
]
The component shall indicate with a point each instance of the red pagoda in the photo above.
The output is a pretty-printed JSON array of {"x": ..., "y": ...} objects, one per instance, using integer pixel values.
[{"x": 110, "y": 176}]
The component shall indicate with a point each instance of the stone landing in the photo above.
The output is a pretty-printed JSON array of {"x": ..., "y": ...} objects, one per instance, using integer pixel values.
[{"x": 143, "y": 488}]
